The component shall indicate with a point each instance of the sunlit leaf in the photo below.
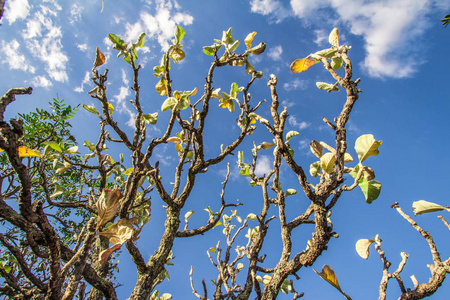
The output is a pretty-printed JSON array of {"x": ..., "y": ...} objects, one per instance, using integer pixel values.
[
  {"x": 249, "y": 39},
  {"x": 290, "y": 192},
  {"x": 291, "y": 134},
  {"x": 234, "y": 46},
  {"x": 333, "y": 39},
  {"x": 422, "y": 207},
  {"x": 367, "y": 146},
  {"x": 347, "y": 157},
  {"x": 141, "y": 40},
  {"x": 119, "y": 44},
  {"x": 266, "y": 145},
  {"x": 252, "y": 217},
  {"x": 169, "y": 103},
  {"x": 301, "y": 65},
  {"x": 212, "y": 249},
  {"x": 55, "y": 146},
  {"x": 58, "y": 191},
  {"x": 99, "y": 58},
  {"x": 329, "y": 276},
  {"x": 161, "y": 87},
  {"x": 177, "y": 55},
  {"x": 174, "y": 139},
  {"x": 258, "y": 49},
  {"x": 24, "y": 151},
  {"x": 188, "y": 215},
  {"x": 326, "y": 86},
  {"x": 107, "y": 205},
  {"x": 90, "y": 109},
  {"x": 150, "y": 118},
  {"x": 327, "y": 162},
  {"x": 371, "y": 189},
  {"x": 336, "y": 63},
  {"x": 362, "y": 247},
  {"x": 328, "y": 53},
  {"x": 316, "y": 148},
  {"x": 72, "y": 150},
  {"x": 110, "y": 108},
  {"x": 227, "y": 37},
  {"x": 180, "y": 33},
  {"x": 117, "y": 234},
  {"x": 314, "y": 169}
]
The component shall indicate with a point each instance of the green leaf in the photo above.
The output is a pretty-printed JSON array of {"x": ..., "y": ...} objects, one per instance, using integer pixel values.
[
  {"x": 210, "y": 50},
  {"x": 89, "y": 145},
  {"x": 128, "y": 171},
  {"x": 55, "y": 146},
  {"x": 336, "y": 62},
  {"x": 90, "y": 109},
  {"x": 327, "y": 162},
  {"x": 119, "y": 44},
  {"x": 234, "y": 46},
  {"x": 422, "y": 207},
  {"x": 371, "y": 189},
  {"x": 290, "y": 192},
  {"x": 314, "y": 169},
  {"x": 180, "y": 33},
  {"x": 150, "y": 118},
  {"x": 169, "y": 103},
  {"x": 291, "y": 134},
  {"x": 328, "y": 53},
  {"x": 367, "y": 146},
  {"x": 227, "y": 37},
  {"x": 141, "y": 40},
  {"x": 325, "y": 86},
  {"x": 58, "y": 191}
]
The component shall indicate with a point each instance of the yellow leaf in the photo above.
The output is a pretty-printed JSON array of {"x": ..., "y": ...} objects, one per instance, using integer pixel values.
[
  {"x": 301, "y": 65},
  {"x": 334, "y": 37},
  {"x": 27, "y": 152},
  {"x": 99, "y": 58},
  {"x": 174, "y": 139},
  {"x": 161, "y": 87},
  {"x": 249, "y": 39},
  {"x": 193, "y": 92},
  {"x": 178, "y": 147},
  {"x": 329, "y": 276}
]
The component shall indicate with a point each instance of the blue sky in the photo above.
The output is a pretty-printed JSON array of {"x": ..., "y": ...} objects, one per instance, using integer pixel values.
[{"x": 399, "y": 50}]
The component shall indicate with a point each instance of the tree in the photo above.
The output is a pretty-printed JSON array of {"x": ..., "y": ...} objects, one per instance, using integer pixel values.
[{"x": 62, "y": 210}]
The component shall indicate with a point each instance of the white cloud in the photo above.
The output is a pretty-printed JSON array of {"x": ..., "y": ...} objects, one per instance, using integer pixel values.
[
  {"x": 41, "y": 81},
  {"x": 86, "y": 80},
  {"x": 161, "y": 25},
  {"x": 75, "y": 13},
  {"x": 321, "y": 37},
  {"x": 295, "y": 85},
  {"x": 272, "y": 8},
  {"x": 121, "y": 100},
  {"x": 43, "y": 40},
  {"x": 263, "y": 165},
  {"x": 16, "y": 9},
  {"x": 14, "y": 59},
  {"x": 298, "y": 125},
  {"x": 389, "y": 27},
  {"x": 82, "y": 47},
  {"x": 275, "y": 52}
]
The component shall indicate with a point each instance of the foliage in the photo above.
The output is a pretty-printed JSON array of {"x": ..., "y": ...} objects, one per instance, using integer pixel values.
[{"x": 69, "y": 214}]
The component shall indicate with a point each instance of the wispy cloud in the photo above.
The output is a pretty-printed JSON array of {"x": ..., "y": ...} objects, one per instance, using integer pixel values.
[
  {"x": 43, "y": 40},
  {"x": 16, "y": 9},
  {"x": 85, "y": 81},
  {"x": 391, "y": 46},
  {"x": 14, "y": 58},
  {"x": 160, "y": 25},
  {"x": 296, "y": 84},
  {"x": 300, "y": 125},
  {"x": 274, "y": 9},
  {"x": 120, "y": 100},
  {"x": 275, "y": 52}
]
